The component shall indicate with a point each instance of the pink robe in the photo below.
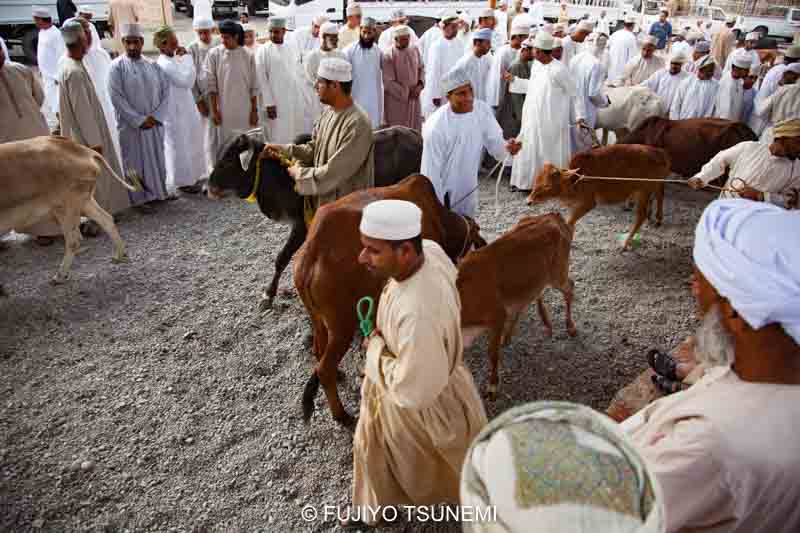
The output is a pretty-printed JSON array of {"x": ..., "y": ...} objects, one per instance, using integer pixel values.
[{"x": 402, "y": 83}]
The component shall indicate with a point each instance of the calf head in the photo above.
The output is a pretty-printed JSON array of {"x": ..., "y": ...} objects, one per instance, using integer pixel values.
[
  {"x": 552, "y": 182},
  {"x": 233, "y": 169}
]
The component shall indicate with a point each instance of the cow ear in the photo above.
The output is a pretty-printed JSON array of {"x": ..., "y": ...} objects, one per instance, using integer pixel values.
[
  {"x": 447, "y": 200},
  {"x": 245, "y": 158}
]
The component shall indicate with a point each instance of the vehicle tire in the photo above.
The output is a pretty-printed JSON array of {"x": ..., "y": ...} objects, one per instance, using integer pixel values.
[{"x": 30, "y": 42}]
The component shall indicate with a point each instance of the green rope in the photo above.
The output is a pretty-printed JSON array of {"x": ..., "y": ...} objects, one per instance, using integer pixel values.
[{"x": 365, "y": 319}]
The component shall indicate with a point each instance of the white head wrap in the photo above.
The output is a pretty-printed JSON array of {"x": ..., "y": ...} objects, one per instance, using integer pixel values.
[
  {"x": 455, "y": 78},
  {"x": 319, "y": 20},
  {"x": 705, "y": 61},
  {"x": 486, "y": 12},
  {"x": 203, "y": 24},
  {"x": 329, "y": 28},
  {"x": 449, "y": 16},
  {"x": 131, "y": 29},
  {"x": 678, "y": 57},
  {"x": 752, "y": 36},
  {"x": 41, "y": 12},
  {"x": 559, "y": 467},
  {"x": 400, "y": 31},
  {"x": 484, "y": 34},
  {"x": 742, "y": 60},
  {"x": 353, "y": 9},
  {"x": 335, "y": 69},
  {"x": 391, "y": 220},
  {"x": 544, "y": 41},
  {"x": 518, "y": 28},
  {"x": 630, "y": 19},
  {"x": 585, "y": 25}
]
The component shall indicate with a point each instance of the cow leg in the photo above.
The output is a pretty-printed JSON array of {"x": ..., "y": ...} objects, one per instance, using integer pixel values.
[
  {"x": 641, "y": 215},
  {"x": 578, "y": 212},
  {"x": 545, "y": 316},
  {"x": 510, "y": 325},
  {"x": 69, "y": 217},
  {"x": 325, "y": 374},
  {"x": 494, "y": 352},
  {"x": 567, "y": 290},
  {"x": 296, "y": 239},
  {"x": 660, "y": 206},
  {"x": 93, "y": 210}
]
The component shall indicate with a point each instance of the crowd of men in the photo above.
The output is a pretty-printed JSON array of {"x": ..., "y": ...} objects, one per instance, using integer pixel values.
[{"x": 720, "y": 456}]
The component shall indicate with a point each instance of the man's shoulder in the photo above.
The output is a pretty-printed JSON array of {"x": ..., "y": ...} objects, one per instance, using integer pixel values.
[{"x": 18, "y": 68}]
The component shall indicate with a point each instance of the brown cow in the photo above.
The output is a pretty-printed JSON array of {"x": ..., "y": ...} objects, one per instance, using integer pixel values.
[
  {"x": 497, "y": 283},
  {"x": 619, "y": 160},
  {"x": 55, "y": 176},
  {"x": 690, "y": 143},
  {"x": 331, "y": 281}
]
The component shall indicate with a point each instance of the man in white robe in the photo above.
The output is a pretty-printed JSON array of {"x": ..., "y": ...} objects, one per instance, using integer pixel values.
[
  {"x": 281, "y": 90},
  {"x": 724, "y": 451},
  {"x": 386, "y": 40},
  {"x": 590, "y": 95},
  {"x": 454, "y": 138},
  {"x": 497, "y": 84},
  {"x": 769, "y": 170},
  {"x": 487, "y": 20},
  {"x": 328, "y": 48},
  {"x": 696, "y": 96},
  {"x": 351, "y": 31},
  {"x": 477, "y": 63},
  {"x": 183, "y": 133},
  {"x": 603, "y": 24},
  {"x": 750, "y": 94},
  {"x": 770, "y": 84},
  {"x": 365, "y": 57},
  {"x": 49, "y": 50},
  {"x": 199, "y": 51},
  {"x": 430, "y": 36},
  {"x": 232, "y": 88},
  {"x": 680, "y": 44},
  {"x": 730, "y": 96},
  {"x": 442, "y": 57},
  {"x": 573, "y": 45},
  {"x": 784, "y": 104},
  {"x": 250, "y": 38},
  {"x": 622, "y": 47},
  {"x": 666, "y": 81},
  {"x": 750, "y": 41},
  {"x": 308, "y": 38},
  {"x": 643, "y": 65},
  {"x": 420, "y": 407},
  {"x": 550, "y": 94},
  {"x": 139, "y": 91}
]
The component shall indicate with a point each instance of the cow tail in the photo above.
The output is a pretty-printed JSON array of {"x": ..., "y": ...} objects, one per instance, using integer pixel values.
[
  {"x": 104, "y": 164},
  {"x": 303, "y": 284}
]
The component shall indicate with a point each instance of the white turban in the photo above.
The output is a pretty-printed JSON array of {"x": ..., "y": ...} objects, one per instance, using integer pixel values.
[
  {"x": 335, "y": 69},
  {"x": 741, "y": 60},
  {"x": 391, "y": 220},
  {"x": 544, "y": 41},
  {"x": 749, "y": 252},
  {"x": 485, "y": 13},
  {"x": 319, "y": 20},
  {"x": 555, "y": 467},
  {"x": 455, "y": 78},
  {"x": 752, "y": 36},
  {"x": 132, "y": 29},
  {"x": 650, "y": 40},
  {"x": 202, "y": 24},
  {"x": 329, "y": 28},
  {"x": 401, "y": 31},
  {"x": 585, "y": 25},
  {"x": 678, "y": 57},
  {"x": 353, "y": 9}
]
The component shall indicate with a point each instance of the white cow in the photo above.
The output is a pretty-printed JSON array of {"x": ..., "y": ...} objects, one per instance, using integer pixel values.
[{"x": 630, "y": 107}]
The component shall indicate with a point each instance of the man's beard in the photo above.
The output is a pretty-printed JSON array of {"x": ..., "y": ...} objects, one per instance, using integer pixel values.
[
  {"x": 715, "y": 346},
  {"x": 366, "y": 43}
]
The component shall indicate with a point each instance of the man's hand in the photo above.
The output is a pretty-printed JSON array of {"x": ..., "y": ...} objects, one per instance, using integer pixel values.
[
  {"x": 696, "y": 183},
  {"x": 202, "y": 108},
  {"x": 294, "y": 171},
  {"x": 507, "y": 76},
  {"x": 582, "y": 122},
  {"x": 437, "y": 102},
  {"x": 180, "y": 51},
  {"x": 271, "y": 151},
  {"x": 148, "y": 123},
  {"x": 751, "y": 194},
  {"x": 513, "y": 146},
  {"x": 272, "y": 112},
  {"x": 216, "y": 117},
  {"x": 253, "y": 118}
]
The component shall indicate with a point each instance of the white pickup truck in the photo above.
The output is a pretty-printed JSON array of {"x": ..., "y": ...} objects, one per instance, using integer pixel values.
[
  {"x": 17, "y": 28},
  {"x": 780, "y": 22}
]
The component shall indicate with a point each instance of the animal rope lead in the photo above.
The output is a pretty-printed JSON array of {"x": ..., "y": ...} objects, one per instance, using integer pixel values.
[
  {"x": 737, "y": 185},
  {"x": 365, "y": 320},
  {"x": 252, "y": 198}
]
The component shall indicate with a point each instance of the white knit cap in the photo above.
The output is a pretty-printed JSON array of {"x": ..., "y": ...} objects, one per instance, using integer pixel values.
[
  {"x": 742, "y": 60},
  {"x": 630, "y": 19},
  {"x": 650, "y": 40},
  {"x": 401, "y": 31},
  {"x": 544, "y": 41},
  {"x": 752, "y": 36},
  {"x": 484, "y": 34},
  {"x": 71, "y": 31},
  {"x": 391, "y": 220},
  {"x": 329, "y": 28},
  {"x": 131, "y": 29},
  {"x": 41, "y": 12},
  {"x": 486, "y": 12},
  {"x": 353, "y": 9},
  {"x": 705, "y": 61},
  {"x": 519, "y": 29},
  {"x": 203, "y": 24},
  {"x": 276, "y": 23},
  {"x": 585, "y": 25},
  {"x": 678, "y": 57},
  {"x": 319, "y": 20},
  {"x": 398, "y": 14},
  {"x": 455, "y": 78},
  {"x": 335, "y": 69}
]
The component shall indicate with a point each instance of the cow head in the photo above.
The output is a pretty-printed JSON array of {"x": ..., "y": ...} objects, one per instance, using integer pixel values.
[{"x": 551, "y": 182}]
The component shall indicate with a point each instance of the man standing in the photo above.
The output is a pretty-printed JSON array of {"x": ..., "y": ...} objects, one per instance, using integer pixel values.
[
  {"x": 488, "y": 21},
  {"x": 403, "y": 77},
  {"x": 454, "y": 138},
  {"x": 139, "y": 91},
  {"x": 572, "y": 44},
  {"x": 642, "y": 67},
  {"x": 590, "y": 95},
  {"x": 21, "y": 99},
  {"x": 724, "y": 42},
  {"x": 339, "y": 159},
  {"x": 365, "y": 57},
  {"x": 623, "y": 47},
  {"x": 750, "y": 41},
  {"x": 82, "y": 117},
  {"x": 387, "y": 39},
  {"x": 232, "y": 88},
  {"x": 477, "y": 63},
  {"x": 603, "y": 25},
  {"x": 120, "y": 13},
  {"x": 784, "y": 104},
  {"x": 497, "y": 83},
  {"x": 351, "y": 32},
  {"x": 199, "y": 51},
  {"x": 308, "y": 38},
  {"x": 696, "y": 95},
  {"x": 666, "y": 81},
  {"x": 771, "y": 83},
  {"x": 443, "y": 56},
  {"x": 430, "y": 36},
  {"x": 769, "y": 170},
  {"x": 328, "y": 48},
  {"x": 183, "y": 134},
  {"x": 680, "y": 44},
  {"x": 750, "y": 94},
  {"x": 730, "y": 96},
  {"x": 49, "y": 50},
  {"x": 281, "y": 90},
  {"x": 520, "y": 69},
  {"x": 661, "y": 29},
  {"x": 550, "y": 94},
  {"x": 415, "y": 377}
]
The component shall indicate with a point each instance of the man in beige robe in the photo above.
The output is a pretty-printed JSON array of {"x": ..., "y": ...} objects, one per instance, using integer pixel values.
[
  {"x": 641, "y": 67},
  {"x": 403, "y": 76},
  {"x": 83, "y": 119},
  {"x": 21, "y": 99},
  {"x": 339, "y": 159},
  {"x": 724, "y": 42},
  {"x": 420, "y": 408}
]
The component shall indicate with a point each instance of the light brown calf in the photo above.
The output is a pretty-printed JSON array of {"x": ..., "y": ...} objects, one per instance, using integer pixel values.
[
  {"x": 498, "y": 282},
  {"x": 619, "y": 160},
  {"x": 54, "y": 176}
]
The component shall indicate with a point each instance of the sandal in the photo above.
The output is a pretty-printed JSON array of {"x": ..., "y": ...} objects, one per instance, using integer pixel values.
[
  {"x": 667, "y": 386},
  {"x": 663, "y": 364}
]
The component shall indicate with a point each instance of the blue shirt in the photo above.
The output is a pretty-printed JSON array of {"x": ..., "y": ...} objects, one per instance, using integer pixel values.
[{"x": 661, "y": 31}]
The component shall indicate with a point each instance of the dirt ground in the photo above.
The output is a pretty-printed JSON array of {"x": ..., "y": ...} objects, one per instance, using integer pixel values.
[{"x": 153, "y": 396}]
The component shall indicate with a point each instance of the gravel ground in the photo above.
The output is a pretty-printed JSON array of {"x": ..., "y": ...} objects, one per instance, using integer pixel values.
[{"x": 153, "y": 396}]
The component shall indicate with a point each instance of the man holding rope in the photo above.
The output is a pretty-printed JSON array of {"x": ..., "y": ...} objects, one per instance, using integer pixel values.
[{"x": 760, "y": 172}]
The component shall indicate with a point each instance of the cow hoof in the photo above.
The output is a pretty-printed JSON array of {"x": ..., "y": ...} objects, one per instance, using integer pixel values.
[
  {"x": 347, "y": 421},
  {"x": 265, "y": 304},
  {"x": 121, "y": 259},
  {"x": 572, "y": 331}
]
